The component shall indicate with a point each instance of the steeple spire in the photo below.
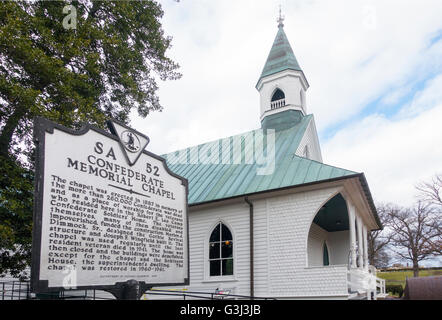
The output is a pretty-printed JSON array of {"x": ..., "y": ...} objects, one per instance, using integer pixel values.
[
  {"x": 282, "y": 84},
  {"x": 281, "y": 56},
  {"x": 280, "y": 19}
]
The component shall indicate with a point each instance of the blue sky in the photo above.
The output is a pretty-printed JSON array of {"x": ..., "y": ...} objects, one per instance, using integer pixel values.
[
  {"x": 374, "y": 68},
  {"x": 394, "y": 98}
]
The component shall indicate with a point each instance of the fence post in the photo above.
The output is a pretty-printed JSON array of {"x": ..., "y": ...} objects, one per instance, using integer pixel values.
[{"x": 28, "y": 291}]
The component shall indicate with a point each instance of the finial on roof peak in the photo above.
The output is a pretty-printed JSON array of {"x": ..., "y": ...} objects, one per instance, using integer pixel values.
[{"x": 280, "y": 19}]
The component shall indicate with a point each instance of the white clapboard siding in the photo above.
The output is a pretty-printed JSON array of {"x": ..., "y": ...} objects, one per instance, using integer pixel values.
[
  {"x": 289, "y": 223},
  {"x": 310, "y": 139},
  {"x": 316, "y": 238},
  {"x": 339, "y": 247},
  {"x": 287, "y": 249},
  {"x": 201, "y": 224},
  {"x": 281, "y": 229},
  {"x": 338, "y": 244},
  {"x": 261, "y": 248}
]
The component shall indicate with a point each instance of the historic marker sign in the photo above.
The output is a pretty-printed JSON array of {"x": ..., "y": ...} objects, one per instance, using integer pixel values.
[{"x": 106, "y": 211}]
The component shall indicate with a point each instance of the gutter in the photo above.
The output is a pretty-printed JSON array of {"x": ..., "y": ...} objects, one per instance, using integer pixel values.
[
  {"x": 369, "y": 197},
  {"x": 252, "y": 276},
  {"x": 356, "y": 175}
]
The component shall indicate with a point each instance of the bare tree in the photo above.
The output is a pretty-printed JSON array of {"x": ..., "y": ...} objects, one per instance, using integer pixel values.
[
  {"x": 379, "y": 240},
  {"x": 431, "y": 192},
  {"x": 416, "y": 233}
]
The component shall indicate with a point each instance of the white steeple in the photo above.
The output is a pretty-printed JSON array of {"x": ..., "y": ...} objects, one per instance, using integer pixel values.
[{"x": 282, "y": 84}]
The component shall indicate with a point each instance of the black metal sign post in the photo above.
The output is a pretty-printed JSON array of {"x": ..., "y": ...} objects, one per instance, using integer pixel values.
[
  {"x": 144, "y": 243},
  {"x": 129, "y": 290}
]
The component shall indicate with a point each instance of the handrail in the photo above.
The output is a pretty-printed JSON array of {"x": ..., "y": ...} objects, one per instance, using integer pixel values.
[
  {"x": 277, "y": 104},
  {"x": 380, "y": 283}
]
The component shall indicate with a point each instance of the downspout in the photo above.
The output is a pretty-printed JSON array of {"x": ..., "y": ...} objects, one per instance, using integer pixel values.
[{"x": 252, "y": 283}]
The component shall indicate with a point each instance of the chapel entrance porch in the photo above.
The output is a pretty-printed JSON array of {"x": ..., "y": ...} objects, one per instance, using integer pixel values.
[{"x": 337, "y": 240}]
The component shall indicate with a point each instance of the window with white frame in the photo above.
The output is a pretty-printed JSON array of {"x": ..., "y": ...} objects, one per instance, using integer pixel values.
[{"x": 221, "y": 251}]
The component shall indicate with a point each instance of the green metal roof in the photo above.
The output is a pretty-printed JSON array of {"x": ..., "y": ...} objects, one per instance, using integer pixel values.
[
  {"x": 218, "y": 177},
  {"x": 281, "y": 56}
]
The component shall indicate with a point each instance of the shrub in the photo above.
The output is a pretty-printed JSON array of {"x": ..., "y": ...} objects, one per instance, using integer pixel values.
[{"x": 395, "y": 289}]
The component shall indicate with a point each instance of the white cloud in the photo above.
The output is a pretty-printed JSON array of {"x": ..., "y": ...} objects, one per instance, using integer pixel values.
[
  {"x": 394, "y": 96},
  {"x": 394, "y": 154},
  {"x": 348, "y": 56},
  {"x": 352, "y": 52},
  {"x": 425, "y": 99}
]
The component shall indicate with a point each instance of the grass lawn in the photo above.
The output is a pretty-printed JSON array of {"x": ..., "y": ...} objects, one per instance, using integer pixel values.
[{"x": 399, "y": 277}]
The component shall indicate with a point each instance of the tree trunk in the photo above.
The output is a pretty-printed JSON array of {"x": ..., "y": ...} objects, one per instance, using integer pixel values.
[
  {"x": 9, "y": 128},
  {"x": 415, "y": 269}
]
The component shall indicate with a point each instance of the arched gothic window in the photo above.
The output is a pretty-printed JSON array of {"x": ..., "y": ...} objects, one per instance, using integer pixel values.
[
  {"x": 325, "y": 257},
  {"x": 221, "y": 251},
  {"x": 278, "y": 99},
  {"x": 278, "y": 95}
]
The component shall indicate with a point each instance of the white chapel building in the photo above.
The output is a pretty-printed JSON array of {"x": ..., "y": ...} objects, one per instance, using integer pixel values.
[{"x": 290, "y": 227}]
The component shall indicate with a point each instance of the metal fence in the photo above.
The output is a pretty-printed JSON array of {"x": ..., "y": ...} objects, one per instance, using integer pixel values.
[
  {"x": 15, "y": 290},
  {"x": 199, "y": 295},
  {"x": 21, "y": 290}
]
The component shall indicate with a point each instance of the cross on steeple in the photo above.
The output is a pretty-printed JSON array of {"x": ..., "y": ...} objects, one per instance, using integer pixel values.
[{"x": 280, "y": 19}]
